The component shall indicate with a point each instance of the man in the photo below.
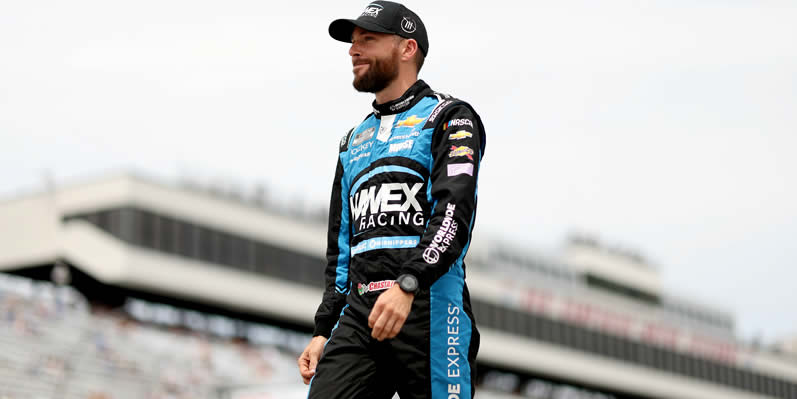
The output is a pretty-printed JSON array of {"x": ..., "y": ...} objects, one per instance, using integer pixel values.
[{"x": 396, "y": 313}]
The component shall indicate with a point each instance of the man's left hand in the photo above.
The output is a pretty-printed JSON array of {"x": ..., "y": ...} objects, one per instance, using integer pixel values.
[{"x": 389, "y": 313}]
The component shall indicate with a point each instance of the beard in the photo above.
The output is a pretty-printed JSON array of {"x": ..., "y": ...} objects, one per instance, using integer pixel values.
[{"x": 381, "y": 72}]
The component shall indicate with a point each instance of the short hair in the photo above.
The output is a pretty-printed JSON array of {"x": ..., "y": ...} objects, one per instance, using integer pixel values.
[{"x": 419, "y": 58}]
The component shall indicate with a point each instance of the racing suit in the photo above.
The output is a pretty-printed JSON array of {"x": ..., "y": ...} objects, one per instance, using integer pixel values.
[{"x": 403, "y": 202}]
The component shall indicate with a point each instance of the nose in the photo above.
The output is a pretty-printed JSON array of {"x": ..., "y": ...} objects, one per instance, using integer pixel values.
[{"x": 354, "y": 50}]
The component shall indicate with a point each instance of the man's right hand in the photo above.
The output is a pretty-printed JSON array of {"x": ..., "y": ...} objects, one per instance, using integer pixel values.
[{"x": 309, "y": 358}]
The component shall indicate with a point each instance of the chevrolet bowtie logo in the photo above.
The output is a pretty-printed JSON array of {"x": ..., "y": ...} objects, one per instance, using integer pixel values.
[{"x": 409, "y": 122}]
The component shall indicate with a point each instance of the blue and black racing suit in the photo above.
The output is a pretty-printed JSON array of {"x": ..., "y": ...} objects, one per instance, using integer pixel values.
[{"x": 403, "y": 201}]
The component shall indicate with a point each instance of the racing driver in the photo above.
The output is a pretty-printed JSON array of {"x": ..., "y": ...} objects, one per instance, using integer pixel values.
[{"x": 396, "y": 315}]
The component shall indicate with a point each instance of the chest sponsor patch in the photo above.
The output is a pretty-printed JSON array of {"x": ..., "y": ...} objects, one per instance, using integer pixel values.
[
  {"x": 405, "y": 136},
  {"x": 409, "y": 122},
  {"x": 387, "y": 204},
  {"x": 404, "y": 145},
  {"x": 461, "y": 151},
  {"x": 363, "y": 136},
  {"x": 361, "y": 148}
]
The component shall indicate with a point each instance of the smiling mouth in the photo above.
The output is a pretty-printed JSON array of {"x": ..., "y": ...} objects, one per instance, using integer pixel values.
[{"x": 359, "y": 66}]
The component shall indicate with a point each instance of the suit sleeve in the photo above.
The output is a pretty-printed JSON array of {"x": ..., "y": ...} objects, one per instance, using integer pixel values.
[
  {"x": 457, "y": 148},
  {"x": 337, "y": 268}
]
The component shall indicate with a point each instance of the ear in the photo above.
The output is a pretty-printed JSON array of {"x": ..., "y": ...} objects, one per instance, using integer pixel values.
[{"x": 409, "y": 49}]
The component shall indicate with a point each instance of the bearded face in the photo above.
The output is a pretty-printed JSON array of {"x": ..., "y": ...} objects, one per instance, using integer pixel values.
[{"x": 379, "y": 74}]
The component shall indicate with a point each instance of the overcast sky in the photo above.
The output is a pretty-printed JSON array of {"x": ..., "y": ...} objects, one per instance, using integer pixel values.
[{"x": 667, "y": 126}]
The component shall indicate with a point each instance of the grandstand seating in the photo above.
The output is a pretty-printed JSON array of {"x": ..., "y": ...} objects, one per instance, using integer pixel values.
[{"x": 52, "y": 345}]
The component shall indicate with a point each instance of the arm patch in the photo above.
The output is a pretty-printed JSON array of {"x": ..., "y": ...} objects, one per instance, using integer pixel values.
[{"x": 344, "y": 141}]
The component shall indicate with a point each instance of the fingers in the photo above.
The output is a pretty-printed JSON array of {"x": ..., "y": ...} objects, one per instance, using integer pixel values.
[
  {"x": 388, "y": 315},
  {"x": 304, "y": 366},
  {"x": 314, "y": 357},
  {"x": 388, "y": 325},
  {"x": 378, "y": 331},
  {"x": 307, "y": 374},
  {"x": 309, "y": 359},
  {"x": 303, "y": 361},
  {"x": 396, "y": 327},
  {"x": 388, "y": 329},
  {"x": 375, "y": 313},
  {"x": 307, "y": 368},
  {"x": 393, "y": 326}
]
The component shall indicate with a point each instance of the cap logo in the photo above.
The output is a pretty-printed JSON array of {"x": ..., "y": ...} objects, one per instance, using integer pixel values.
[
  {"x": 372, "y": 10},
  {"x": 408, "y": 25}
]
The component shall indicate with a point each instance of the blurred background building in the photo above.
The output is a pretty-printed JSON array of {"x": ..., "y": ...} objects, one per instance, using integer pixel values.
[{"x": 125, "y": 287}]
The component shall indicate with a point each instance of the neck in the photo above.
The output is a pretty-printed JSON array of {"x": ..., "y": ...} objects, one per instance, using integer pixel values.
[{"x": 396, "y": 88}]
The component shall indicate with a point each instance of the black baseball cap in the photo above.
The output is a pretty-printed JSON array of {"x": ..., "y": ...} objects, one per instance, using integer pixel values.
[{"x": 385, "y": 17}]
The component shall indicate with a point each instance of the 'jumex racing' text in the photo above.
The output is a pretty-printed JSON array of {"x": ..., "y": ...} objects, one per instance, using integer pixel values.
[{"x": 390, "y": 204}]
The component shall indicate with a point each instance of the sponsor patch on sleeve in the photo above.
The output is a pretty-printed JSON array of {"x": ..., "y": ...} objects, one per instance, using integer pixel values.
[
  {"x": 461, "y": 151},
  {"x": 443, "y": 238},
  {"x": 458, "y": 123},
  {"x": 455, "y": 169},
  {"x": 462, "y": 134},
  {"x": 344, "y": 141}
]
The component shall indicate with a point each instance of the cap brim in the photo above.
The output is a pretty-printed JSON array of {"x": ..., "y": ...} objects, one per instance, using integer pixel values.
[{"x": 341, "y": 29}]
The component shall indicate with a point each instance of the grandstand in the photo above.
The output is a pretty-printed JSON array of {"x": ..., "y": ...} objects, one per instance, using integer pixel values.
[
  {"x": 180, "y": 292},
  {"x": 54, "y": 345}
]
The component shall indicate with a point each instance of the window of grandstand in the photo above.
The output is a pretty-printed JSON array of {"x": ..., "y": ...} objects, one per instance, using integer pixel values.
[
  {"x": 190, "y": 240},
  {"x": 623, "y": 290}
]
